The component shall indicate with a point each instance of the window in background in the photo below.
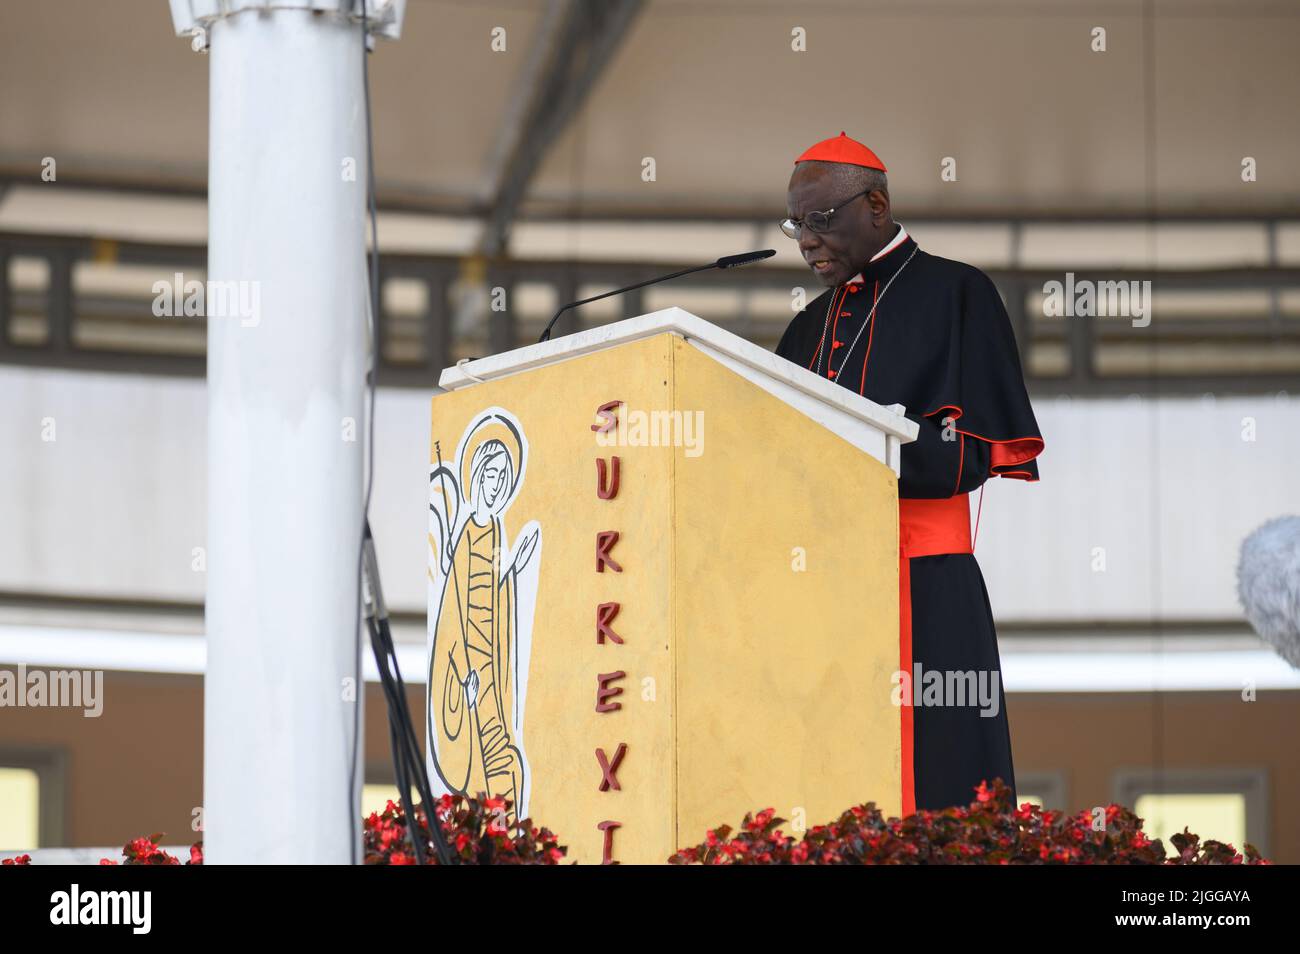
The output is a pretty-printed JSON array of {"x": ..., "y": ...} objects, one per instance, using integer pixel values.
[
  {"x": 406, "y": 308},
  {"x": 29, "y": 290},
  {"x": 374, "y": 797},
  {"x": 1229, "y": 805},
  {"x": 20, "y": 808},
  {"x": 32, "y": 798},
  {"x": 1044, "y": 789},
  {"x": 1212, "y": 815}
]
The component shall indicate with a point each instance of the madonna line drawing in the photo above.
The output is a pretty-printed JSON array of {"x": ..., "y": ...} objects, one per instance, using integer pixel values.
[{"x": 482, "y": 596}]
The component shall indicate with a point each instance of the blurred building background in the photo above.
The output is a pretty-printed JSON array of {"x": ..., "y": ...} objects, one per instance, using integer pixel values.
[{"x": 515, "y": 143}]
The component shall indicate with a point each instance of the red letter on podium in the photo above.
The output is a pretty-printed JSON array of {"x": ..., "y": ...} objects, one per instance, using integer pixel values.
[
  {"x": 605, "y": 614},
  {"x": 607, "y": 488},
  {"x": 605, "y": 691},
  {"x": 605, "y": 540},
  {"x": 608, "y": 828},
  {"x": 608, "y": 769}
]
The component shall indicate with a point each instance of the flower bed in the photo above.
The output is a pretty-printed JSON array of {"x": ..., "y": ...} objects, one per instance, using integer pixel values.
[
  {"x": 476, "y": 831},
  {"x": 991, "y": 830}
]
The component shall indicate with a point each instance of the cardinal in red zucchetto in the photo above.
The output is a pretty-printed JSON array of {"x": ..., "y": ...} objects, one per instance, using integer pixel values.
[{"x": 901, "y": 326}]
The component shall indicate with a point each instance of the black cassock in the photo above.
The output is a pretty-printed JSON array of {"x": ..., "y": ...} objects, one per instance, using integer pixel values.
[{"x": 940, "y": 343}]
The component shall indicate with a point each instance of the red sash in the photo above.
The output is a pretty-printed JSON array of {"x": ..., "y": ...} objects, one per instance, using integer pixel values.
[{"x": 925, "y": 528}]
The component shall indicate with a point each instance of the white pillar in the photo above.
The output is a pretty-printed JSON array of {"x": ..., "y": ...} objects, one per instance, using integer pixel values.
[{"x": 286, "y": 224}]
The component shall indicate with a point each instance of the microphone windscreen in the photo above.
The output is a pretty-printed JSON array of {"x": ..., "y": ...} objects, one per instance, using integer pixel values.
[
  {"x": 744, "y": 258},
  {"x": 1268, "y": 585}
]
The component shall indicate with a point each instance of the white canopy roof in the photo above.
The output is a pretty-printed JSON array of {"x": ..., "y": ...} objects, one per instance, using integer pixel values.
[{"x": 1038, "y": 122}]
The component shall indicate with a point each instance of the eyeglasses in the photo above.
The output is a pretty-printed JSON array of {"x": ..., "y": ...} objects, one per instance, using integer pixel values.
[{"x": 817, "y": 222}]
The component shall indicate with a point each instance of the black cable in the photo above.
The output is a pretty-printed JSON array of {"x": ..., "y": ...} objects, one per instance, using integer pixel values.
[
  {"x": 408, "y": 762},
  {"x": 354, "y": 810},
  {"x": 358, "y": 676},
  {"x": 409, "y": 765},
  {"x": 399, "y": 762},
  {"x": 405, "y": 751}
]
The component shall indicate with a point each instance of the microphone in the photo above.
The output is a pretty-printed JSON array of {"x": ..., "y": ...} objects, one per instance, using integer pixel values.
[
  {"x": 1268, "y": 585},
  {"x": 727, "y": 261}
]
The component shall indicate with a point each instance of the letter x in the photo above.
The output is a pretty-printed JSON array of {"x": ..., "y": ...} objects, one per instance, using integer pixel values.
[{"x": 608, "y": 769}]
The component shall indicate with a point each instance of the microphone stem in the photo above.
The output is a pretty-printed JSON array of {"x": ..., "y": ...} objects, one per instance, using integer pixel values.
[{"x": 546, "y": 334}]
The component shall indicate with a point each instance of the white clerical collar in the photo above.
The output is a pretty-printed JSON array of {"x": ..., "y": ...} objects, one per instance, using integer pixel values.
[{"x": 899, "y": 238}]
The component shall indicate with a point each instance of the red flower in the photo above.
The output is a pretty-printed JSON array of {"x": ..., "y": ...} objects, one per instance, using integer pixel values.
[{"x": 991, "y": 830}]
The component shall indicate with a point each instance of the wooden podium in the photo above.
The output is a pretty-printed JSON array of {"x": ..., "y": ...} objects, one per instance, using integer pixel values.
[{"x": 663, "y": 587}]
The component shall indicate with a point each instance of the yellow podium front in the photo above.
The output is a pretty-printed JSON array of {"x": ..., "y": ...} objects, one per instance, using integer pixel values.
[{"x": 663, "y": 588}]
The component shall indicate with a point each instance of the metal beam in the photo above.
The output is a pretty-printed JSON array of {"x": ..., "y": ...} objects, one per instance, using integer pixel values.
[
  {"x": 394, "y": 198},
  {"x": 577, "y": 43},
  {"x": 548, "y": 47},
  {"x": 1082, "y": 338}
]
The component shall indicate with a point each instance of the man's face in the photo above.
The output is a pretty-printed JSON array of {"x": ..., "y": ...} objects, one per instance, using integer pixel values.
[
  {"x": 494, "y": 477},
  {"x": 857, "y": 230}
]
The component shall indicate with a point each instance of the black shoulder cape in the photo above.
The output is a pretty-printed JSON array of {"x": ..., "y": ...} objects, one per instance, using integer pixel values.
[{"x": 940, "y": 343}]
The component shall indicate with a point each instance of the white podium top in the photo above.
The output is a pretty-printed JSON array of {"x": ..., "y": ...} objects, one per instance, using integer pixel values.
[{"x": 871, "y": 427}]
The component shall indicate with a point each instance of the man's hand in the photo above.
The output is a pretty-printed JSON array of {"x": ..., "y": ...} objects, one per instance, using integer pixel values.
[
  {"x": 524, "y": 551},
  {"x": 471, "y": 689}
]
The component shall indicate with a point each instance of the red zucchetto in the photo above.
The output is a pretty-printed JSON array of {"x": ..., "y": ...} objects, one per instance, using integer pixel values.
[{"x": 843, "y": 149}]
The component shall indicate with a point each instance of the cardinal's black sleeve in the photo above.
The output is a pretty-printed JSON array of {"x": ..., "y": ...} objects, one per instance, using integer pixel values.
[
  {"x": 978, "y": 422},
  {"x": 942, "y": 461}
]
